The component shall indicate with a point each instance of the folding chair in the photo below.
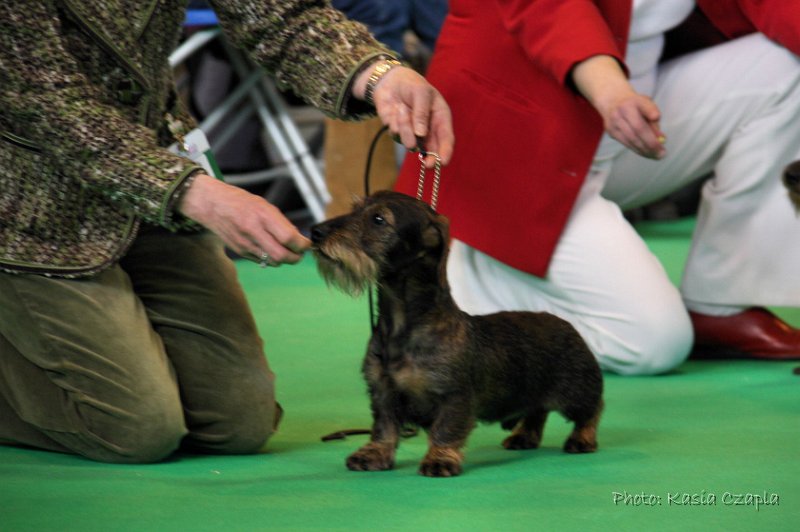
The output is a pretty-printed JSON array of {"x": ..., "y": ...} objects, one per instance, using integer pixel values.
[{"x": 256, "y": 94}]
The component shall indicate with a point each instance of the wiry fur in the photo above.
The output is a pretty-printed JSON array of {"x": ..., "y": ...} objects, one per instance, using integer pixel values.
[{"x": 432, "y": 365}]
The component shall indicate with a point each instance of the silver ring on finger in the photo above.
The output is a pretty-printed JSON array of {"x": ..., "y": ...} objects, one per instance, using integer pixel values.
[{"x": 264, "y": 260}]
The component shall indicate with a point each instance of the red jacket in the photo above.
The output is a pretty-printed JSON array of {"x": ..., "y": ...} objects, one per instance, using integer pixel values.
[{"x": 524, "y": 138}]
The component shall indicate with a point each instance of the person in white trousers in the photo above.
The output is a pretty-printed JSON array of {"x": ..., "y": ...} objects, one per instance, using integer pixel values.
[{"x": 732, "y": 109}]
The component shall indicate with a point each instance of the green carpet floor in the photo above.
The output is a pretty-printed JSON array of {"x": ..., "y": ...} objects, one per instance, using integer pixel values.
[{"x": 721, "y": 432}]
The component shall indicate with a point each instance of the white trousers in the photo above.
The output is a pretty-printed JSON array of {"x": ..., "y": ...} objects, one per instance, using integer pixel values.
[{"x": 733, "y": 110}]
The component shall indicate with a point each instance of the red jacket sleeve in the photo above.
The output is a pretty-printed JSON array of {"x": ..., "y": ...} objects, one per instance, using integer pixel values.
[
  {"x": 557, "y": 34},
  {"x": 777, "y": 19}
]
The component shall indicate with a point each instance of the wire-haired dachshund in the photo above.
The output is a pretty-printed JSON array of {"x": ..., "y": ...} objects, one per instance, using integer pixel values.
[{"x": 432, "y": 365}]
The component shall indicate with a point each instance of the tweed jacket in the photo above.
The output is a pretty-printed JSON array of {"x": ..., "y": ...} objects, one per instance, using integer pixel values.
[{"x": 86, "y": 98}]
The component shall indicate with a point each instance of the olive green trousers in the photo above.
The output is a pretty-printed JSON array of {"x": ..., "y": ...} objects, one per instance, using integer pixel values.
[{"x": 157, "y": 353}]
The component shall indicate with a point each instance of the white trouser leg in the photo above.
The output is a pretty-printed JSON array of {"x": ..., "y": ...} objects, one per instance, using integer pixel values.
[
  {"x": 602, "y": 279},
  {"x": 735, "y": 110}
]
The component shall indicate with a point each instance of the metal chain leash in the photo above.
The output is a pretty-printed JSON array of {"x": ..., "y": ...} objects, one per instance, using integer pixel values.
[{"x": 437, "y": 174}]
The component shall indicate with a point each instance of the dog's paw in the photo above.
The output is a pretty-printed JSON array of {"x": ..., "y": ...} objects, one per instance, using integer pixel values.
[
  {"x": 371, "y": 458},
  {"x": 441, "y": 462},
  {"x": 578, "y": 445},
  {"x": 521, "y": 442},
  {"x": 440, "y": 468}
]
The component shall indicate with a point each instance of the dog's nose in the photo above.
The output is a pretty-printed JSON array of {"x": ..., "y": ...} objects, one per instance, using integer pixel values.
[
  {"x": 791, "y": 174},
  {"x": 318, "y": 233}
]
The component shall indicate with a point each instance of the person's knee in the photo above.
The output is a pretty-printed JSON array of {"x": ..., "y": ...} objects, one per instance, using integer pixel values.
[
  {"x": 246, "y": 434},
  {"x": 244, "y": 420},
  {"x": 146, "y": 433},
  {"x": 657, "y": 343}
]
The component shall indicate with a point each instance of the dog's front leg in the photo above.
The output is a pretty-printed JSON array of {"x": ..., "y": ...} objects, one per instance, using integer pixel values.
[
  {"x": 378, "y": 454},
  {"x": 446, "y": 436}
]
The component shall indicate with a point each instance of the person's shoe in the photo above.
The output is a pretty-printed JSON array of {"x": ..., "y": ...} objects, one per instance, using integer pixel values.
[{"x": 753, "y": 333}]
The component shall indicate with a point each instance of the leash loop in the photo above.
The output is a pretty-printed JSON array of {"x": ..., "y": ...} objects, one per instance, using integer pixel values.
[{"x": 437, "y": 175}]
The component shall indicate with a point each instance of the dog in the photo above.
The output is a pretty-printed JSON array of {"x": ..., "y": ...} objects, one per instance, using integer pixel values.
[
  {"x": 791, "y": 180},
  {"x": 431, "y": 365}
]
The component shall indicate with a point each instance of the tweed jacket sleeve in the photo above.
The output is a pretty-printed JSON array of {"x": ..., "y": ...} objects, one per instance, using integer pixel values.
[
  {"x": 86, "y": 94},
  {"x": 307, "y": 45},
  {"x": 51, "y": 104}
]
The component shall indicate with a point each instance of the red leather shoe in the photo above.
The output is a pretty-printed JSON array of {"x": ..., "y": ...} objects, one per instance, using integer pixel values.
[{"x": 755, "y": 333}]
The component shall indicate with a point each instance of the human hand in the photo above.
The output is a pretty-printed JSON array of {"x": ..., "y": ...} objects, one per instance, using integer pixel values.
[
  {"x": 632, "y": 119},
  {"x": 629, "y": 117},
  {"x": 248, "y": 224},
  {"x": 412, "y": 108}
]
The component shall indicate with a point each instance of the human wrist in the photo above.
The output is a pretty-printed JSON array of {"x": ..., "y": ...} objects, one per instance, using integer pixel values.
[
  {"x": 192, "y": 202},
  {"x": 370, "y": 77},
  {"x": 599, "y": 79}
]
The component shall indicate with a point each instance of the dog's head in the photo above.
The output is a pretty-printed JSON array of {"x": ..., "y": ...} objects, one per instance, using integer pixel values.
[
  {"x": 385, "y": 233},
  {"x": 791, "y": 179}
]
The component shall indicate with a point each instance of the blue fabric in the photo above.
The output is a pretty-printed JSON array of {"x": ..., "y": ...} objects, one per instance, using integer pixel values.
[
  {"x": 200, "y": 17},
  {"x": 386, "y": 19},
  {"x": 389, "y": 19}
]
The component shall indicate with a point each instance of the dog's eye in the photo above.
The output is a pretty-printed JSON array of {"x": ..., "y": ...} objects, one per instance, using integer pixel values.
[{"x": 377, "y": 219}]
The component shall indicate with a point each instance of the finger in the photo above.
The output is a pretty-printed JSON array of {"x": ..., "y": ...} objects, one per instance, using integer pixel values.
[
  {"x": 655, "y": 138},
  {"x": 650, "y": 110},
  {"x": 389, "y": 118},
  {"x": 277, "y": 253},
  {"x": 642, "y": 134},
  {"x": 298, "y": 244},
  {"x": 661, "y": 137},
  {"x": 442, "y": 138},
  {"x": 653, "y": 141},
  {"x": 238, "y": 242},
  {"x": 405, "y": 127},
  {"x": 624, "y": 133},
  {"x": 286, "y": 243},
  {"x": 265, "y": 229},
  {"x": 261, "y": 258},
  {"x": 421, "y": 102}
]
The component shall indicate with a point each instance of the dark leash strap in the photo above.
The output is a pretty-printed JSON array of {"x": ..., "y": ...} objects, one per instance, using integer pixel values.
[
  {"x": 373, "y": 322},
  {"x": 437, "y": 176}
]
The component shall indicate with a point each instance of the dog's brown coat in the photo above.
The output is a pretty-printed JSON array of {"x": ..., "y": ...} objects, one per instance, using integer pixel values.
[{"x": 430, "y": 364}]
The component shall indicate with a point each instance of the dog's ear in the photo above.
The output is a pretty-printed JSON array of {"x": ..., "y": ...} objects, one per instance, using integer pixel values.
[
  {"x": 436, "y": 237},
  {"x": 437, "y": 231}
]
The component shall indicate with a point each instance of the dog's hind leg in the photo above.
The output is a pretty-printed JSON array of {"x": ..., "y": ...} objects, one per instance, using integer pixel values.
[
  {"x": 583, "y": 438},
  {"x": 528, "y": 432}
]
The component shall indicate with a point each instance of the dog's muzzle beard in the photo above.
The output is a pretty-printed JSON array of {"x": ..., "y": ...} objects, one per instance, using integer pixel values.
[{"x": 343, "y": 264}]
